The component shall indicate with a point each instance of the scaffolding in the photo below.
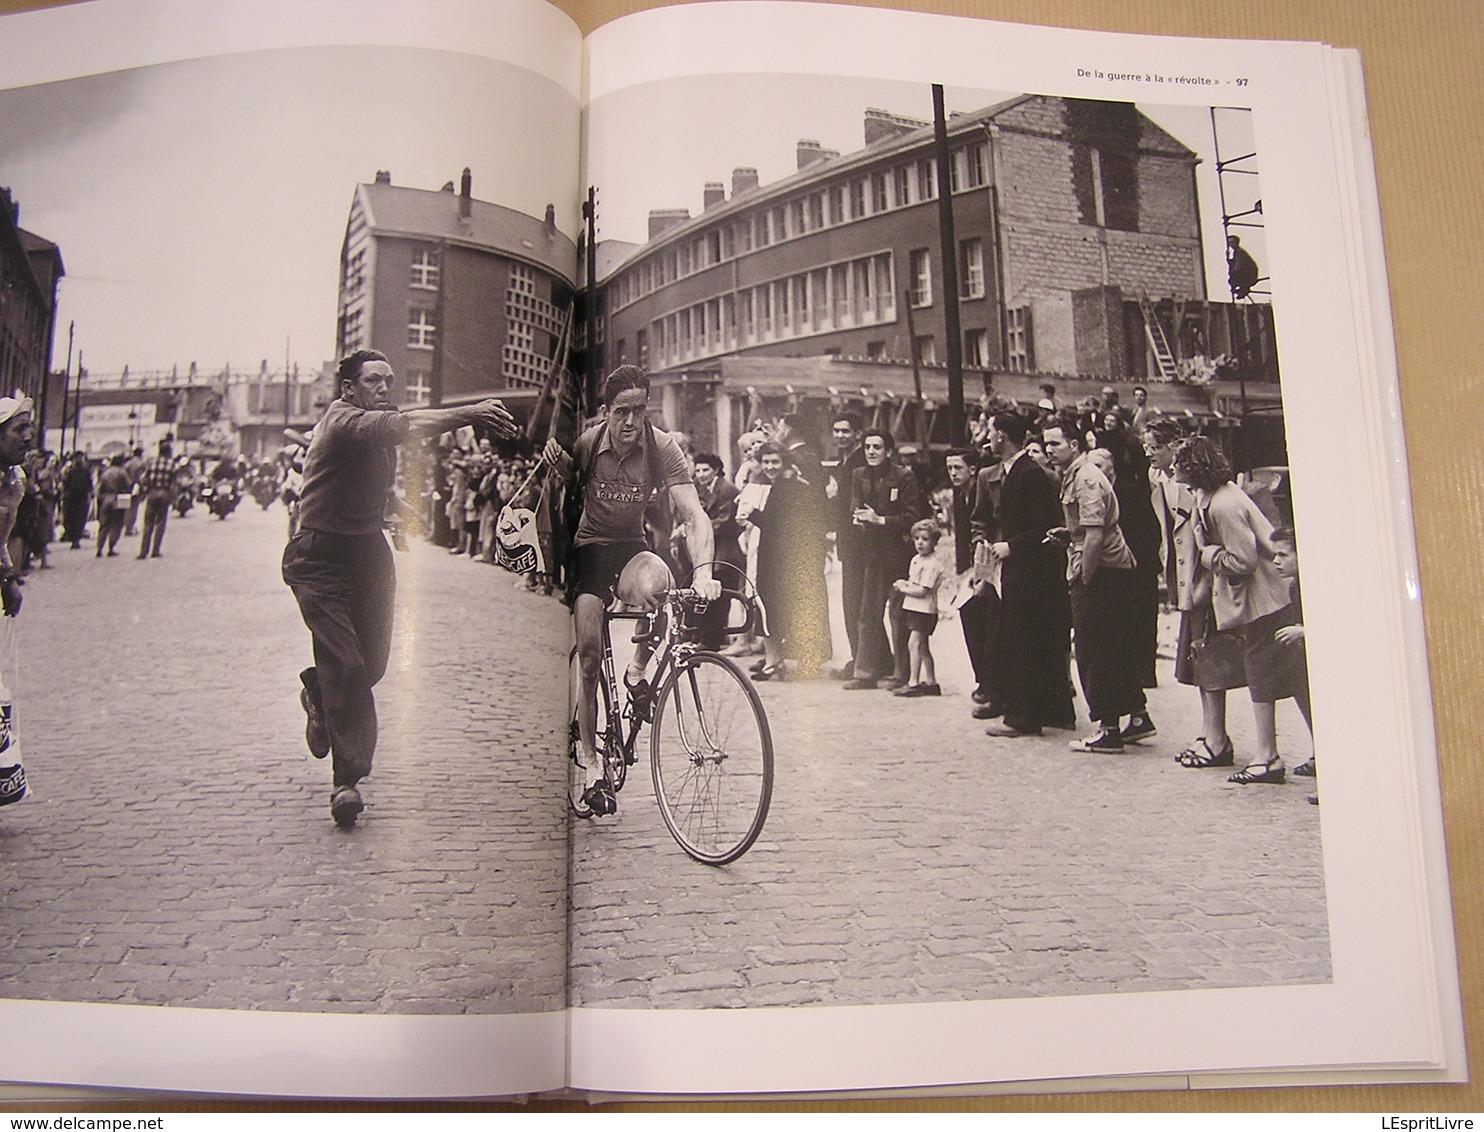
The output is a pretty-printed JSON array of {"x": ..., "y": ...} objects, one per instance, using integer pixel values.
[{"x": 1242, "y": 281}]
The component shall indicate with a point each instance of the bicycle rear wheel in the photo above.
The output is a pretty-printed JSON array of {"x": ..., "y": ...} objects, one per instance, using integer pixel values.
[{"x": 711, "y": 756}]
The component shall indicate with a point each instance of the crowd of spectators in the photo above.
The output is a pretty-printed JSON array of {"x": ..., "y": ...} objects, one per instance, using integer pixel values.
[{"x": 1065, "y": 531}]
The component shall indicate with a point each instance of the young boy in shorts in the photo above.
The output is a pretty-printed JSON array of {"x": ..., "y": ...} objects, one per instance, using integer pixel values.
[{"x": 919, "y": 590}]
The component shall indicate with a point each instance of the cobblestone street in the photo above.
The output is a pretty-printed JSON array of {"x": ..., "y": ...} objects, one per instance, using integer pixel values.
[
  {"x": 178, "y": 848},
  {"x": 908, "y": 857}
]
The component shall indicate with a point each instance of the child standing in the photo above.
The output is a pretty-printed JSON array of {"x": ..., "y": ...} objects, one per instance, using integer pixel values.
[
  {"x": 919, "y": 590},
  {"x": 1290, "y": 637}
]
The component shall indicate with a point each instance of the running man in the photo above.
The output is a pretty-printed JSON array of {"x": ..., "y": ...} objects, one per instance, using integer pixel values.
[{"x": 339, "y": 564}]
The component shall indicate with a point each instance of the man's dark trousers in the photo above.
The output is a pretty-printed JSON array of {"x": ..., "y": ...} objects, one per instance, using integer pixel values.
[{"x": 345, "y": 586}]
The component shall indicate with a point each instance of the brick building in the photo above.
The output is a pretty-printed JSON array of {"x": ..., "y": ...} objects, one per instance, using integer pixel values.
[
  {"x": 467, "y": 299},
  {"x": 1079, "y": 255},
  {"x": 30, "y": 270}
]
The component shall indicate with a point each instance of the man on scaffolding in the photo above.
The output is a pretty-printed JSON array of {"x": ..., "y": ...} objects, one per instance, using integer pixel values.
[{"x": 618, "y": 465}]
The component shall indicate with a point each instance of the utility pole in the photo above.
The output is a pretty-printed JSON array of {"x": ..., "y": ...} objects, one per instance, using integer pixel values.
[
  {"x": 588, "y": 403},
  {"x": 916, "y": 366},
  {"x": 66, "y": 382},
  {"x": 949, "y": 247},
  {"x": 286, "y": 341}
]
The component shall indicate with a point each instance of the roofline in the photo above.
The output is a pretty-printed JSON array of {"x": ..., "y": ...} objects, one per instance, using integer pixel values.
[{"x": 957, "y": 125}]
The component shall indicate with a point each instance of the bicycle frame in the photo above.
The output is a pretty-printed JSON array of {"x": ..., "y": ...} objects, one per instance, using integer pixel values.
[{"x": 673, "y": 649}]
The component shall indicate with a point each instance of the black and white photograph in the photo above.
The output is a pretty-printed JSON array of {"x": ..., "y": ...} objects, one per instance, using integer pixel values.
[
  {"x": 198, "y": 247},
  {"x": 1028, "y": 467}
]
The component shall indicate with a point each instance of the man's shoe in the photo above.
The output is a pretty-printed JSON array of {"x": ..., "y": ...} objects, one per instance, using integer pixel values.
[
  {"x": 1103, "y": 743},
  {"x": 346, "y": 806},
  {"x": 316, "y": 734},
  {"x": 641, "y": 698},
  {"x": 600, "y": 799},
  {"x": 1139, "y": 727},
  {"x": 892, "y": 683},
  {"x": 846, "y": 671},
  {"x": 987, "y": 711},
  {"x": 859, "y": 684},
  {"x": 1005, "y": 731},
  {"x": 980, "y": 696}
]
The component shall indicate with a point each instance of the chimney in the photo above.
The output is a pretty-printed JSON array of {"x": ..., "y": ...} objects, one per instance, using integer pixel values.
[
  {"x": 882, "y": 125},
  {"x": 550, "y": 219},
  {"x": 383, "y": 176},
  {"x": 744, "y": 179},
  {"x": 466, "y": 186},
  {"x": 663, "y": 219},
  {"x": 810, "y": 152},
  {"x": 715, "y": 193}
]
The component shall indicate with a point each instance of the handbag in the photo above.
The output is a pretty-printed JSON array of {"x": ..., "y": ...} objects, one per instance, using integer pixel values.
[{"x": 1217, "y": 661}]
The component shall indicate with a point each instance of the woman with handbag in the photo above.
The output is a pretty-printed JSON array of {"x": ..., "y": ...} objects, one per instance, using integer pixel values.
[{"x": 1248, "y": 601}]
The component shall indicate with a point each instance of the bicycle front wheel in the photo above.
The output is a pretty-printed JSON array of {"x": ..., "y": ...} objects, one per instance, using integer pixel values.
[{"x": 711, "y": 756}]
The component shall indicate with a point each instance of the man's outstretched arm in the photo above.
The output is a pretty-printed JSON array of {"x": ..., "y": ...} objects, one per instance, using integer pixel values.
[{"x": 490, "y": 415}]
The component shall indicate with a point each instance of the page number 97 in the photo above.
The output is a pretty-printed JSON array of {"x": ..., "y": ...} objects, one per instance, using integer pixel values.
[{"x": 1241, "y": 82}]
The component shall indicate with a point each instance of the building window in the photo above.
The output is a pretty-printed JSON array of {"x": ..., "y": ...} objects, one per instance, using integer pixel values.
[
  {"x": 796, "y": 217},
  {"x": 902, "y": 183},
  {"x": 351, "y": 331},
  {"x": 927, "y": 179},
  {"x": 641, "y": 346},
  {"x": 880, "y": 192},
  {"x": 921, "y": 269},
  {"x": 857, "y": 199},
  {"x": 925, "y": 350},
  {"x": 837, "y": 205},
  {"x": 971, "y": 269},
  {"x": 816, "y": 211},
  {"x": 355, "y": 272},
  {"x": 876, "y": 349},
  {"x": 421, "y": 329},
  {"x": 1107, "y": 187},
  {"x": 1018, "y": 352},
  {"x": 522, "y": 279},
  {"x": 425, "y": 270},
  {"x": 417, "y": 389},
  {"x": 976, "y": 348},
  {"x": 977, "y": 162},
  {"x": 778, "y": 218}
]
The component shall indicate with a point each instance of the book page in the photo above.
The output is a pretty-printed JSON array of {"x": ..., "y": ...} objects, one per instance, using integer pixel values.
[
  {"x": 240, "y": 194},
  {"x": 927, "y": 904}
]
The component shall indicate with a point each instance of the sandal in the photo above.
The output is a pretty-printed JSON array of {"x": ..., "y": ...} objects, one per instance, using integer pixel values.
[
  {"x": 1199, "y": 756},
  {"x": 1270, "y": 771},
  {"x": 1305, "y": 769}
]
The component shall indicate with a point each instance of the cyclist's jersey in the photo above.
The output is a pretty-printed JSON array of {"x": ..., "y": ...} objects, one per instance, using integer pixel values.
[{"x": 616, "y": 492}]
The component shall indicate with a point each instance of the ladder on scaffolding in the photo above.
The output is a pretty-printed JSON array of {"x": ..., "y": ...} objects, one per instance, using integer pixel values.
[{"x": 1159, "y": 344}]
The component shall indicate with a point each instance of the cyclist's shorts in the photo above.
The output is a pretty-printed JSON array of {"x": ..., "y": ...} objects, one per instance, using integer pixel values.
[{"x": 598, "y": 566}]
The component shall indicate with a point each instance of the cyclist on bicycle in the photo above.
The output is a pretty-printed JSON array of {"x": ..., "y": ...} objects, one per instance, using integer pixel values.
[{"x": 619, "y": 465}]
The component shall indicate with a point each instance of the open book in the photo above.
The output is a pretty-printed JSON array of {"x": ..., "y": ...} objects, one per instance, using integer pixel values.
[{"x": 924, "y": 906}]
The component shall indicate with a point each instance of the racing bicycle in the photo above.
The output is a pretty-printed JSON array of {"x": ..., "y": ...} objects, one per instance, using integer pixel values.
[{"x": 710, "y": 750}]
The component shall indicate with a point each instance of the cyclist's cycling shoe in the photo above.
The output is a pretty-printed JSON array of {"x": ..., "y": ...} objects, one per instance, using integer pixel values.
[
  {"x": 641, "y": 699},
  {"x": 599, "y": 798}
]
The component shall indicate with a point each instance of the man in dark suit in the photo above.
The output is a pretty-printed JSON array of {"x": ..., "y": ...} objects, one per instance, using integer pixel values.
[
  {"x": 974, "y": 528},
  {"x": 1035, "y": 612},
  {"x": 846, "y": 432}
]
